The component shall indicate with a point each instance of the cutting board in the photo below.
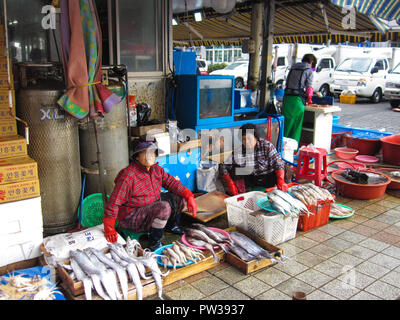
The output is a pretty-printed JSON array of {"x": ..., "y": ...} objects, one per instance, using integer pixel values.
[{"x": 209, "y": 206}]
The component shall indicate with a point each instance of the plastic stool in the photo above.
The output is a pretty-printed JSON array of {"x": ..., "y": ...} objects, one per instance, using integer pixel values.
[
  {"x": 303, "y": 170},
  {"x": 125, "y": 233}
]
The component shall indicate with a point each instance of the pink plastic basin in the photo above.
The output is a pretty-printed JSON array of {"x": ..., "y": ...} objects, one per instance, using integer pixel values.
[
  {"x": 346, "y": 153},
  {"x": 391, "y": 149}
]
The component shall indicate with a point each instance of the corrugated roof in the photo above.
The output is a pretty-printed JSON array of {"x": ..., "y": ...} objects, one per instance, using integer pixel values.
[{"x": 294, "y": 21}]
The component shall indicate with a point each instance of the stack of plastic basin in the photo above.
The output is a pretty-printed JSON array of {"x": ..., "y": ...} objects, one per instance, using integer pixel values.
[{"x": 391, "y": 149}]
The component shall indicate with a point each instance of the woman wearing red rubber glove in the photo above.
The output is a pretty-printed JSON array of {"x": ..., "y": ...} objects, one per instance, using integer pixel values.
[
  {"x": 139, "y": 204},
  {"x": 256, "y": 164}
]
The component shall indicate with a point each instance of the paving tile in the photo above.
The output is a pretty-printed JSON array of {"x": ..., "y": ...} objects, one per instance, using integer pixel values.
[
  {"x": 346, "y": 259},
  {"x": 376, "y": 208},
  {"x": 386, "y": 237},
  {"x": 385, "y": 261},
  {"x": 338, "y": 244},
  {"x": 393, "y": 230},
  {"x": 331, "y": 229},
  {"x": 229, "y": 293},
  {"x": 291, "y": 267},
  {"x": 358, "y": 204},
  {"x": 186, "y": 292},
  {"x": 356, "y": 279},
  {"x": 320, "y": 295},
  {"x": 362, "y": 295},
  {"x": 292, "y": 285},
  {"x": 323, "y": 251},
  {"x": 393, "y": 212},
  {"x": 393, "y": 199},
  {"x": 230, "y": 275},
  {"x": 352, "y": 236},
  {"x": 196, "y": 277},
  {"x": 345, "y": 224},
  {"x": 383, "y": 290},
  {"x": 330, "y": 268},
  {"x": 317, "y": 235},
  {"x": 273, "y": 294},
  {"x": 314, "y": 278},
  {"x": 303, "y": 242},
  {"x": 271, "y": 276},
  {"x": 387, "y": 203},
  {"x": 393, "y": 278},
  {"x": 372, "y": 269},
  {"x": 289, "y": 249},
  {"x": 339, "y": 289},
  {"x": 375, "y": 224},
  {"x": 392, "y": 251},
  {"x": 360, "y": 252},
  {"x": 357, "y": 218},
  {"x": 219, "y": 267},
  {"x": 309, "y": 259},
  {"x": 209, "y": 285},
  {"x": 368, "y": 213},
  {"x": 373, "y": 244},
  {"x": 387, "y": 218},
  {"x": 252, "y": 286},
  {"x": 364, "y": 230}
]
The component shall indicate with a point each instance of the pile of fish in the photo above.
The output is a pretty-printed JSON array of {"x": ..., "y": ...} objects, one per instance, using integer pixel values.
[
  {"x": 21, "y": 287},
  {"x": 310, "y": 194},
  {"x": 100, "y": 271},
  {"x": 247, "y": 250},
  {"x": 181, "y": 254},
  {"x": 201, "y": 236},
  {"x": 284, "y": 203},
  {"x": 339, "y": 211}
]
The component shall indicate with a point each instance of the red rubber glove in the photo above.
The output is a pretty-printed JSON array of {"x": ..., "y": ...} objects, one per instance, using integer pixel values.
[
  {"x": 191, "y": 203},
  {"x": 309, "y": 94},
  {"x": 280, "y": 180},
  {"x": 109, "y": 230},
  {"x": 231, "y": 185}
]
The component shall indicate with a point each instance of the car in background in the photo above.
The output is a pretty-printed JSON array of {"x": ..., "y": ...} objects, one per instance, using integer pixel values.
[
  {"x": 238, "y": 69},
  {"x": 202, "y": 65},
  {"x": 392, "y": 88}
]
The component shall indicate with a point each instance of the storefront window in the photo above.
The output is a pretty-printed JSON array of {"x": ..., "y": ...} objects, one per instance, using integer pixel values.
[
  {"x": 228, "y": 55},
  {"x": 218, "y": 56},
  {"x": 140, "y": 27}
]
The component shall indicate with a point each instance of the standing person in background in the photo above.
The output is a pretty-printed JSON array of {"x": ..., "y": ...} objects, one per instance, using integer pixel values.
[{"x": 298, "y": 93}]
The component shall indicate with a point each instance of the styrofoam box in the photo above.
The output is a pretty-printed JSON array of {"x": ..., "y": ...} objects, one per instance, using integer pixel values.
[
  {"x": 21, "y": 230},
  {"x": 20, "y": 216}
]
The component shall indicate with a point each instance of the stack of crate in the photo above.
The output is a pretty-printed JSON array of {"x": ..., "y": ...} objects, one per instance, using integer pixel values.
[{"x": 21, "y": 222}]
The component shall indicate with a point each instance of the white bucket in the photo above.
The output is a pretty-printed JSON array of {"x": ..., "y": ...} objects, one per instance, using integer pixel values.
[{"x": 289, "y": 146}]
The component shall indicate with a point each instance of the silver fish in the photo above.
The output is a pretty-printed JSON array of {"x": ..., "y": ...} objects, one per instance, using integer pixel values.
[
  {"x": 81, "y": 276},
  {"x": 201, "y": 243},
  {"x": 191, "y": 253},
  {"x": 293, "y": 201},
  {"x": 251, "y": 247},
  {"x": 198, "y": 234},
  {"x": 123, "y": 279},
  {"x": 181, "y": 254},
  {"x": 216, "y": 236},
  {"x": 111, "y": 285},
  {"x": 91, "y": 270},
  {"x": 241, "y": 253},
  {"x": 280, "y": 204},
  {"x": 173, "y": 256}
]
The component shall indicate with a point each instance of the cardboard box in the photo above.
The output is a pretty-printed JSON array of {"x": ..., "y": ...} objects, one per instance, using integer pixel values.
[
  {"x": 8, "y": 127},
  {"x": 143, "y": 130},
  {"x": 19, "y": 191},
  {"x": 13, "y": 146},
  {"x": 17, "y": 170}
]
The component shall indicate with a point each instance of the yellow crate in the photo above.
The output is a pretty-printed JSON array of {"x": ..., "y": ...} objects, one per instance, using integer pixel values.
[{"x": 348, "y": 99}]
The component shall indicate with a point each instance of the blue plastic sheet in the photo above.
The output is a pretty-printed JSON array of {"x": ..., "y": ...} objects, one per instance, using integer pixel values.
[{"x": 31, "y": 272}]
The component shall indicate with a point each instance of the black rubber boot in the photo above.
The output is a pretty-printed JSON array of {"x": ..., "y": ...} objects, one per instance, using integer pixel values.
[
  {"x": 172, "y": 225},
  {"x": 155, "y": 238}
]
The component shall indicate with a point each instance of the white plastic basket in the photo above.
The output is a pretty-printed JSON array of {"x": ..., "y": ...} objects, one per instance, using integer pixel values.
[
  {"x": 273, "y": 227},
  {"x": 238, "y": 208}
]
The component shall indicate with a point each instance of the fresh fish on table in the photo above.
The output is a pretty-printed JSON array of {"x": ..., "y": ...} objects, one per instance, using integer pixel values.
[
  {"x": 281, "y": 205},
  {"x": 123, "y": 279},
  {"x": 201, "y": 243},
  {"x": 81, "y": 276},
  {"x": 251, "y": 247},
  {"x": 178, "y": 251},
  {"x": 198, "y": 234},
  {"x": 112, "y": 289},
  {"x": 295, "y": 203},
  {"x": 241, "y": 253},
  {"x": 191, "y": 253},
  {"x": 91, "y": 270}
]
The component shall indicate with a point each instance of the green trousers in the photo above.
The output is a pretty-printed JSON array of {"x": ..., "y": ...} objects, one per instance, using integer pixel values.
[{"x": 293, "y": 111}]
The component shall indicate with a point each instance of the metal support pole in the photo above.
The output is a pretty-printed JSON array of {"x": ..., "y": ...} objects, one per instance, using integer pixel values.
[
  {"x": 266, "y": 59},
  {"x": 256, "y": 37}
]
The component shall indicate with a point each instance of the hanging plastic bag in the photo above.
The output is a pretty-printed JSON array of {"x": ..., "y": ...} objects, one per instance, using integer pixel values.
[
  {"x": 143, "y": 111},
  {"x": 207, "y": 176}
]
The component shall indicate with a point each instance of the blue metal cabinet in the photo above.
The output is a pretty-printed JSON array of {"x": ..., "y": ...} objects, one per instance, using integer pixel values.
[{"x": 183, "y": 166}]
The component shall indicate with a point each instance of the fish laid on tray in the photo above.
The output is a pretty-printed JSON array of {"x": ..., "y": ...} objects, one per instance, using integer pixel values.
[
  {"x": 100, "y": 271},
  {"x": 310, "y": 194},
  {"x": 284, "y": 203},
  {"x": 339, "y": 211},
  {"x": 180, "y": 254}
]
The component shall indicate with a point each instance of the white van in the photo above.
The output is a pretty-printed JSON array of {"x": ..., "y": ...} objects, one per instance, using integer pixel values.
[
  {"x": 392, "y": 89},
  {"x": 364, "y": 75},
  {"x": 323, "y": 74}
]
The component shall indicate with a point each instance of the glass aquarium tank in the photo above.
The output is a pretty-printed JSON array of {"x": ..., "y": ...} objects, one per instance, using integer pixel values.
[{"x": 215, "y": 98}]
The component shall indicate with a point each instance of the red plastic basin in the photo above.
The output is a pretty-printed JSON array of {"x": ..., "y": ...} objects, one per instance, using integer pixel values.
[
  {"x": 391, "y": 149},
  {"x": 346, "y": 153},
  {"x": 364, "y": 146},
  {"x": 360, "y": 191}
]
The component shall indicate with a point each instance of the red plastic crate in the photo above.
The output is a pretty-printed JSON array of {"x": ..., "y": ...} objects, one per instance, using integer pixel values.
[{"x": 318, "y": 219}]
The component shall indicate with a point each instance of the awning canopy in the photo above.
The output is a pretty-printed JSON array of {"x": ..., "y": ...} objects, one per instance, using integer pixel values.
[{"x": 294, "y": 21}]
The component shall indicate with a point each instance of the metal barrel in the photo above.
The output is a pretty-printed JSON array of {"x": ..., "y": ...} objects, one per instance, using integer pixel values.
[
  {"x": 54, "y": 145},
  {"x": 112, "y": 134}
]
